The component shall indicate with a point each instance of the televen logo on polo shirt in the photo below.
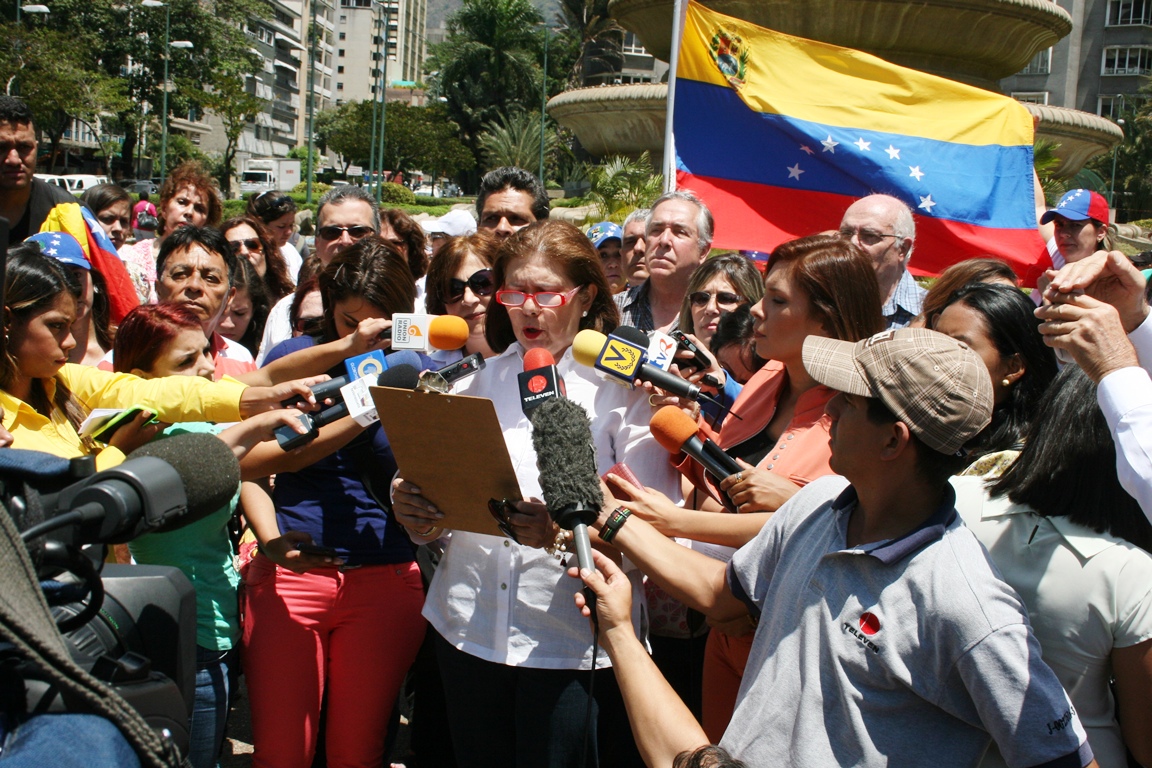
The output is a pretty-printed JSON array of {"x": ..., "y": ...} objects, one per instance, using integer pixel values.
[{"x": 869, "y": 625}]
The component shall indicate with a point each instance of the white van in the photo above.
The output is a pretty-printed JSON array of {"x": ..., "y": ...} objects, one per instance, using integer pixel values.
[
  {"x": 78, "y": 183},
  {"x": 50, "y": 179}
]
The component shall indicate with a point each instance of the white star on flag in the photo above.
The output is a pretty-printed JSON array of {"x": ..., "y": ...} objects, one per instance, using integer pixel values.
[
  {"x": 794, "y": 171},
  {"x": 806, "y": 148},
  {"x": 893, "y": 153},
  {"x": 916, "y": 173},
  {"x": 830, "y": 145},
  {"x": 865, "y": 146},
  {"x": 52, "y": 251},
  {"x": 926, "y": 203}
]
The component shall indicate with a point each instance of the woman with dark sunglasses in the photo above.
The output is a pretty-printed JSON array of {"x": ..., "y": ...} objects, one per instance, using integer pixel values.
[
  {"x": 460, "y": 282},
  {"x": 719, "y": 285},
  {"x": 514, "y": 657}
]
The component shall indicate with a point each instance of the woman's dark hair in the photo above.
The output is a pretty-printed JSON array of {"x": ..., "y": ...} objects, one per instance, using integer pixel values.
[
  {"x": 736, "y": 327},
  {"x": 102, "y": 311},
  {"x": 1013, "y": 328},
  {"x": 1068, "y": 465},
  {"x": 191, "y": 174},
  {"x": 312, "y": 326},
  {"x": 483, "y": 245},
  {"x": 271, "y": 205},
  {"x": 707, "y": 757},
  {"x": 839, "y": 281},
  {"x": 34, "y": 282},
  {"x": 736, "y": 269},
  {"x": 248, "y": 279},
  {"x": 277, "y": 282},
  {"x": 408, "y": 230},
  {"x": 104, "y": 196},
  {"x": 371, "y": 270},
  {"x": 146, "y": 331},
  {"x": 570, "y": 253},
  {"x": 960, "y": 274}
]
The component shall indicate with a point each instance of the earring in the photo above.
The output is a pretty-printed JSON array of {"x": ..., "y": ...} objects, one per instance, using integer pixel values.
[
  {"x": 585, "y": 314},
  {"x": 1005, "y": 383}
]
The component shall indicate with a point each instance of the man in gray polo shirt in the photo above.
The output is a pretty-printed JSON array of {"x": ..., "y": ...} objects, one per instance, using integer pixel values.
[{"x": 884, "y": 636}]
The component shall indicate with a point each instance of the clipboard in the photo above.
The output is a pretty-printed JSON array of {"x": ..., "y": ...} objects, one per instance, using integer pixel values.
[{"x": 421, "y": 428}]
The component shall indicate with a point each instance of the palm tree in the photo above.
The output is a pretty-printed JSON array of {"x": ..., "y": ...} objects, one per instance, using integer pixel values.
[
  {"x": 515, "y": 140},
  {"x": 596, "y": 34}
]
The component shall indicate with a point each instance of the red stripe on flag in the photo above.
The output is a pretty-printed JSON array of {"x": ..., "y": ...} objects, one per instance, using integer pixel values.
[{"x": 760, "y": 217}]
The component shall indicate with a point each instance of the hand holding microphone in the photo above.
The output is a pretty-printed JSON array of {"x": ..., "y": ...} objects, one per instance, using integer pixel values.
[{"x": 676, "y": 432}]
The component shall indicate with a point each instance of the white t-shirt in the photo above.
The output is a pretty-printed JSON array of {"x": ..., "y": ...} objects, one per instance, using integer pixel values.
[{"x": 293, "y": 259}]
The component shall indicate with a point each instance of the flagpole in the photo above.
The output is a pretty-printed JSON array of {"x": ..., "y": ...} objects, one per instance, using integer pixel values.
[{"x": 669, "y": 168}]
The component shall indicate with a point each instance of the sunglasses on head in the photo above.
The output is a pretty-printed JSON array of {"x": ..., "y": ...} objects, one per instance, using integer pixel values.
[
  {"x": 266, "y": 203},
  {"x": 332, "y": 232},
  {"x": 480, "y": 282},
  {"x": 252, "y": 245},
  {"x": 723, "y": 298}
]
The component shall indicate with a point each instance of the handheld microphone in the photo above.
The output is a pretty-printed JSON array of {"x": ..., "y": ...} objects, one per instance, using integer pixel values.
[
  {"x": 420, "y": 332},
  {"x": 566, "y": 458},
  {"x": 163, "y": 485},
  {"x": 624, "y": 357},
  {"x": 676, "y": 432},
  {"x": 325, "y": 390},
  {"x": 540, "y": 380},
  {"x": 447, "y": 332}
]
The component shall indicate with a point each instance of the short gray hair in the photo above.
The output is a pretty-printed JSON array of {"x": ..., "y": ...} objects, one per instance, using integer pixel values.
[
  {"x": 639, "y": 215},
  {"x": 344, "y": 193},
  {"x": 704, "y": 223}
]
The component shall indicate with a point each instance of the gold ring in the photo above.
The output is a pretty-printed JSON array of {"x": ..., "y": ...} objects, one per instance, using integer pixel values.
[
  {"x": 652, "y": 402},
  {"x": 739, "y": 477}
]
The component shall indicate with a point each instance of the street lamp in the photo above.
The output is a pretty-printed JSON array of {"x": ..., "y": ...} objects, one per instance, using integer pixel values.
[
  {"x": 1115, "y": 149},
  {"x": 543, "y": 104},
  {"x": 27, "y": 9},
  {"x": 379, "y": 88},
  {"x": 167, "y": 55}
]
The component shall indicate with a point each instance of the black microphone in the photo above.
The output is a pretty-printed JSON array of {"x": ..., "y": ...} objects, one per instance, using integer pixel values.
[
  {"x": 163, "y": 485},
  {"x": 540, "y": 380},
  {"x": 325, "y": 390},
  {"x": 669, "y": 382},
  {"x": 676, "y": 432},
  {"x": 566, "y": 458}
]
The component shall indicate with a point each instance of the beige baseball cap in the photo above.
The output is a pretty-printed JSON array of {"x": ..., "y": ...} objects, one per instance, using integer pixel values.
[{"x": 933, "y": 383}]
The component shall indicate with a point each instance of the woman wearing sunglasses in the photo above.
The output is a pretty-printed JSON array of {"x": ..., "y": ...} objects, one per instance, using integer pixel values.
[
  {"x": 460, "y": 282},
  {"x": 250, "y": 239},
  {"x": 514, "y": 658},
  {"x": 719, "y": 285}
]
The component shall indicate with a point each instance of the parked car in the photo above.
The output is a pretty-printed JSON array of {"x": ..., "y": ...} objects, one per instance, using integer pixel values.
[
  {"x": 78, "y": 183},
  {"x": 51, "y": 179},
  {"x": 136, "y": 186}
]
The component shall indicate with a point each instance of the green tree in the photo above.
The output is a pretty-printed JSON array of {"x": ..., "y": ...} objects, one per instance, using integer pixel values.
[
  {"x": 489, "y": 64},
  {"x": 1133, "y": 163},
  {"x": 347, "y": 131},
  {"x": 422, "y": 138},
  {"x": 228, "y": 98},
  {"x": 515, "y": 140},
  {"x": 593, "y": 35},
  {"x": 621, "y": 184}
]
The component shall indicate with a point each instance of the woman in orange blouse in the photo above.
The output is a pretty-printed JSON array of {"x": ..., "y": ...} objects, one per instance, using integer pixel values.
[{"x": 815, "y": 286}]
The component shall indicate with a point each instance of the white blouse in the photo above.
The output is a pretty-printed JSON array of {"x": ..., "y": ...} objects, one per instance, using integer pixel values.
[{"x": 513, "y": 604}]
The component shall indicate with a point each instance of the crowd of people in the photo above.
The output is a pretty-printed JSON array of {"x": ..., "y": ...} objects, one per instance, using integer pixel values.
[{"x": 955, "y": 570}]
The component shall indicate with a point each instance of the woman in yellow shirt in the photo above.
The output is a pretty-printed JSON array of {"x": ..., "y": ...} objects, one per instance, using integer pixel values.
[{"x": 45, "y": 398}]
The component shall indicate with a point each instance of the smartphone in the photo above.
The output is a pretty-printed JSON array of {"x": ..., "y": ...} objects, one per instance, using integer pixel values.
[
  {"x": 105, "y": 433},
  {"x": 316, "y": 549},
  {"x": 699, "y": 360},
  {"x": 461, "y": 368}
]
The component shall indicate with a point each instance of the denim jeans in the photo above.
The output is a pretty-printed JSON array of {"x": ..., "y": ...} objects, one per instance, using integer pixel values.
[
  {"x": 65, "y": 741},
  {"x": 210, "y": 706}
]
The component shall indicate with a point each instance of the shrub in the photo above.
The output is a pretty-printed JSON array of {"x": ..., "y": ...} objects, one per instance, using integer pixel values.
[{"x": 396, "y": 194}]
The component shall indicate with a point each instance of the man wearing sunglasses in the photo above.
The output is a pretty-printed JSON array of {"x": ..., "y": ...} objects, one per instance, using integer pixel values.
[
  {"x": 883, "y": 228},
  {"x": 345, "y": 215}
]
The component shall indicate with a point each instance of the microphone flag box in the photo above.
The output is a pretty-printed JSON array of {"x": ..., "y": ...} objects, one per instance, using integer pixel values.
[
  {"x": 410, "y": 331},
  {"x": 369, "y": 365},
  {"x": 621, "y": 359},
  {"x": 358, "y": 398},
  {"x": 662, "y": 350}
]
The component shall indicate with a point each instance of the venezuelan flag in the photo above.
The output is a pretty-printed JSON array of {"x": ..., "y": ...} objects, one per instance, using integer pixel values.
[
  {"x": 80, "y": 222},
  {"x": 780, "y": 135}
]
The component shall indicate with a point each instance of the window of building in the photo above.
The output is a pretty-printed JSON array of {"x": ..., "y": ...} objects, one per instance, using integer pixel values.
[
  {"x": 1133, "y": 60},
  {"x": 339, "y": 86},
  {"x": 340, "y": 53},
  {"x": 340, "y": 69},
  {"x": 1031, "y": 97},
  {"x": 343, "y": 35},
  {"x": 1129, "y": 12},
  {"x": 1113, "y": 106},
  {"x": 632, "y": 44},
  {"x": 1041, "y": 63}
]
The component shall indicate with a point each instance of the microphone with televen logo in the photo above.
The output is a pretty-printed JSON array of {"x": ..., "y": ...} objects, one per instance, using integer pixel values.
[{"x": 540, "y": 380}]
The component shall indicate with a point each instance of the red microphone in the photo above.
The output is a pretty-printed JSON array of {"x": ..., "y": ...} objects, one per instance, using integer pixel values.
[{"x": 540, "y": 380}]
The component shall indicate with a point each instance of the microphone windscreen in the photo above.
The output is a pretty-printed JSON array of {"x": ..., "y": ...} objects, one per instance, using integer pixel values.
[
  {"x": 632, "y": 335},
  {"x": 447, "y": 332},
  {"x": 207, "y": 468},
  {"x": 672, "y": 428},
  {"x": 403, "y": 357},
  {"x": 587, "y": 345},
  {"x": 538, "y": 357},
  {"x": 401, "y": 376},
  {"x": 565, "y": 456}
]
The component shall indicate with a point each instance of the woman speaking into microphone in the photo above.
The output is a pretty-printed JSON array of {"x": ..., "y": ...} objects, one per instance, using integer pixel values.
[{"x": 513, "y": 653}]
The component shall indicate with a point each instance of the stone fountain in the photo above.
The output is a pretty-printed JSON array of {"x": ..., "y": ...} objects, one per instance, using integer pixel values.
[{"x": 972, "y": 41}]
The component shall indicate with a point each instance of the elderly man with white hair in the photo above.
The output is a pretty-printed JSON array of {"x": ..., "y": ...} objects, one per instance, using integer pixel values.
[{"x": 882, "y": 227}]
